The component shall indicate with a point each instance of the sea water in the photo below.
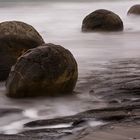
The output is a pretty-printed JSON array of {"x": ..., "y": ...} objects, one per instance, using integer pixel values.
[{"x": 59, "y": 22}]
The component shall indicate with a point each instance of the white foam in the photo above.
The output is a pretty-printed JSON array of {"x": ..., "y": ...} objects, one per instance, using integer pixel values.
[
  {"x": 63, "y": 125},
  {"x": 95, "y": 123},
  {"x": 59, "y": 126},
  {"x": 31, "y": 113},
  {"x": 13, "y": 128}
]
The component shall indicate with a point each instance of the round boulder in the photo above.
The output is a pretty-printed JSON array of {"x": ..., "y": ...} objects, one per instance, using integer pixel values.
[
  {"x": 49, "y": 70},
  {"x": 102, "y": 20},
  {"x": 15, "y": 38},
  {"x": 135, "y": 10}
]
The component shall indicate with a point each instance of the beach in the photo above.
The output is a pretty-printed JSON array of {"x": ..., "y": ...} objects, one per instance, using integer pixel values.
[
  {"x": 124, "y": 131},
  {"x": 108, "y": 67}
]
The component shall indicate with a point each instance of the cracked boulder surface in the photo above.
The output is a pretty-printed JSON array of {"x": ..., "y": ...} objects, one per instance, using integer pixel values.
[
  {"x": 49, "y": 70},
  {"x": 15, "y": 38},
  {"x": 102, "y": 20},
  {"x": 135, "y": 10}
]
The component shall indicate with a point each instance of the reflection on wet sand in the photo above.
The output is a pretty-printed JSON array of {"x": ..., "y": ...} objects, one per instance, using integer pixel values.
[{"x": 109, "y": 70}]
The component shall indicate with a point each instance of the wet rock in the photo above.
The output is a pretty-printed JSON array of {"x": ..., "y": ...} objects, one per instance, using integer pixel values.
[
  {"x": 114, "y": 101},
  {"x": 32, "y": 136},
  {"x": 79, "y": 122},
  {"x": 115, "y": 118},
  {"x": 50, "y": 122},
  {"x": 7, "y": 111},
  {"x": 108, "y": 113},
  {"x": 102, "y": 20},
  {"x": 91, "y": 91},
  {"x": 134, "y": 10},
  {"x": 49, "y": 70},
  {"x": 15, "y": 38}
]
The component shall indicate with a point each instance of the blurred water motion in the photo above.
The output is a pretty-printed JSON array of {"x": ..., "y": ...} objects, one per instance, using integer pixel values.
[{"x": 60, "y": 23}]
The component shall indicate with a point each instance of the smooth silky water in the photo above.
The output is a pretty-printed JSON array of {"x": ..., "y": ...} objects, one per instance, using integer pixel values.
[{"x": 100, "y": 56}]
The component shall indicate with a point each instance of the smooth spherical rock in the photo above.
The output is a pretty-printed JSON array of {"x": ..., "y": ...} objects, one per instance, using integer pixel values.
[
  {"x": 49, "y": 70},
  {"x": 135, "y": 10},
  {"x": 102, "y": 20},
  {"x": 15, "y": 38}
]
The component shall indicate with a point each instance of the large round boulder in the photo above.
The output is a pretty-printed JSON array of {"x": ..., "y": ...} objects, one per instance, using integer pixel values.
[
  {"x": 102, "y": 20},
  {"x": 135, "y": 10},
  {"x": 49, "y": 70},
  {"x": 15, "y": 38}
]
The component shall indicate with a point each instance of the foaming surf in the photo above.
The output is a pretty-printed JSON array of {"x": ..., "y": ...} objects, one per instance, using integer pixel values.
[{"x": 96, "y": 54}]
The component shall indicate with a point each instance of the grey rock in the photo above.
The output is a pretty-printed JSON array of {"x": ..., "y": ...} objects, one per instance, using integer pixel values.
[
  {"x": 49, "y": 70},
  {"x": 15, "y": 38},
  {"x": 102, "y": 20},
  {"x": 135, "y": 10}
]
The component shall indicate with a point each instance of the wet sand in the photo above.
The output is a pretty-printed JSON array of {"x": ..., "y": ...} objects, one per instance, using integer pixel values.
[
  {"x": 109, "y": 76},
  {"x": 123, "y": 131},
  {"x": 110, "y": 123}
]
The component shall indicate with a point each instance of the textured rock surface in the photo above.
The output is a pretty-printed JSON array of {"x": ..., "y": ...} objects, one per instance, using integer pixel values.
[
  {"x": 134, "y": 10},
  {"x": 47, "y": 70},
  {"x": 102, "y": 20},
  {"x": 15, "y": 38},
  {"x": 80, "y": 125}
]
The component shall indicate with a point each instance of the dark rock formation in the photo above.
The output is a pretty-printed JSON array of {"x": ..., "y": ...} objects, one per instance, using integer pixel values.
[
  {"x": 110, "y": 116},
  {"x": 8, "y": 111},
  {"x": 48, "y": 70},
  {"x": 104, "y": 114},
  {"x": 134, "y": 10},
  {"x": 102, "y": 20},
  {"x": 15, "y": 38}
]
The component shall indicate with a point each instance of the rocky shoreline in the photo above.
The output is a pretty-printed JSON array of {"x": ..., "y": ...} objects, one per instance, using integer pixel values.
[
  {"x": 49, "y": 69},
  {"x": 113, "y": 118}
]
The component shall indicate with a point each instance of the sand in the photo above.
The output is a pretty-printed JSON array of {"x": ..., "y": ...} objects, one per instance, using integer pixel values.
[{"x": 123, "y": 131}]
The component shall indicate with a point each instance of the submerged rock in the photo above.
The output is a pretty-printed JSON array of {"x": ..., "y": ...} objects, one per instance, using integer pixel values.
[
  {"x": 134, "y": 10},
  {"x": 15, "y": 38},
  {"x": 102, "y": 20},
  {"x": 49, "y": 70}
]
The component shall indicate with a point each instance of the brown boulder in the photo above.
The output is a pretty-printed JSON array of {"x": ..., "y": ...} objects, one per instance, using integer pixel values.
[
  {"x": 15, "y": 38},
  {"x": 49, "y": 70},
  {"x": 135, "y": 10},
  {"x": 102, "y": 20}
]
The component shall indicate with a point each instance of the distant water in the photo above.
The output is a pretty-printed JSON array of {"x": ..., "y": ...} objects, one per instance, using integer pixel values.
[{"x": 60, "y": 23}]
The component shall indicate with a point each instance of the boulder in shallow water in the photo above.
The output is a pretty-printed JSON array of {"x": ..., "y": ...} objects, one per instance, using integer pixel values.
[
  {"x": 49, "y": 70},
  {"x": 15, "y": 38},
  {"x": 102, "y": 20},
  {"x": 135, "y": 10}
]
